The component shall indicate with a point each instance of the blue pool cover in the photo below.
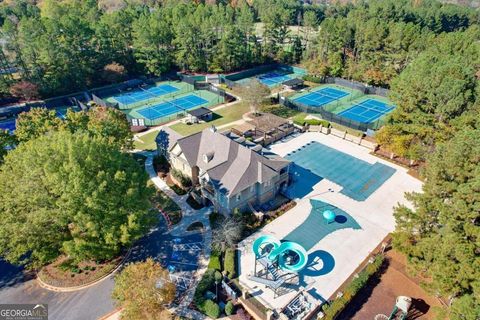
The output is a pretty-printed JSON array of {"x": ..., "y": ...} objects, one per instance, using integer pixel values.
[
  {"x": 315, "y": 227},
  {"x": 367, "y": 111},
  {"x": 319, "y": 98},
  {"x": 314, "y": 161}
]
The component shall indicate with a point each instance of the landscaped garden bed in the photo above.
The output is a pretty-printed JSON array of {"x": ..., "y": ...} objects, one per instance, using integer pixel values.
[
  {"x": 66, "y": 273},
  {"x": 332, "y": 310},
  {"x": 196, "y": 226},
  {"x": 163, "y": 202}
]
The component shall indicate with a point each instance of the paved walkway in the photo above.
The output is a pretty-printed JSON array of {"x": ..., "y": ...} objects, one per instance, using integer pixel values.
[{"x": 190, "y": 216}]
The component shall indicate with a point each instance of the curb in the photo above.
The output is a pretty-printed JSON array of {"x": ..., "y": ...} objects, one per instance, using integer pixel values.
[
  {"x": 115, "y": 314},
  {"x": 84, "y": 286}
]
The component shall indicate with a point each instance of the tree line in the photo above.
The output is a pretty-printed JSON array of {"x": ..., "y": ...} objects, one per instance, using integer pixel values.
[{"x": 64, "y": 46}]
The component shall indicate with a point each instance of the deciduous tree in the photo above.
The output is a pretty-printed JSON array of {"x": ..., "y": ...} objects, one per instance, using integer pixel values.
[
  {"x": 25, "y": 90},
  {"x": 73, "y": 194},
  {"x": 143, "y": 290},
  {"x": 7, "y": 141},
  {"x": 37, "y": 122},
  {"x": 254, "y": 93}
]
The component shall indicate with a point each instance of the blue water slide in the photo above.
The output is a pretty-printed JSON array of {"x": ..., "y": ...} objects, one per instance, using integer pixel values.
[
  {"x": 280, "y": 254},
  {"x": 262, "y": 242}
]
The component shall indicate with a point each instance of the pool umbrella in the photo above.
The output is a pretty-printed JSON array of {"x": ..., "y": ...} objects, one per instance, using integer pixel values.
[{"x": 329, "y": 215}]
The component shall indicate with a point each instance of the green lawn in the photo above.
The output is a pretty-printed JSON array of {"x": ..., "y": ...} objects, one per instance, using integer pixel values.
[
  {"x": 222, "y": 117},
  {"x": 148, "y": 141},
  {"x": 281, "y": 111}
]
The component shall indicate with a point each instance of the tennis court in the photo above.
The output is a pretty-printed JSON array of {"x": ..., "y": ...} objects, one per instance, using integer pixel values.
[
  {"x": 273, "y": 79},
  {"x": 321, "y": 97},
  {"x": 144, "y": 94},
  {"x": 8, "y": 124},
  {"x": 167, "y": 108},
  {"x": 367, "y": 111}
]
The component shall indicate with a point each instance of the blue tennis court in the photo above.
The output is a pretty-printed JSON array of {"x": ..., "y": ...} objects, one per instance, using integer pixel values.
[
  {"x": 272, "y": 79},
  {"x": 168, "y": 108},
  {"x": 367, "y": 111},
  {"x": 144, "y": 94},
  {"x": 358, "y": 178},
  {"x": 8, "y": 124},
  {"x": 321, "y": 97}
]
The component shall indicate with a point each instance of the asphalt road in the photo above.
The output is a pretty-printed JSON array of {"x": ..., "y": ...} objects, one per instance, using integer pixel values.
[
  {"x": 86, "y": 304},
  {"x": 90, "y": 303}
]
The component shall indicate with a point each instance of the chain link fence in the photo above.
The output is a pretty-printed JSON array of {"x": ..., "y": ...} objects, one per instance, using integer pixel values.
[{"x": 330, "y": 116}]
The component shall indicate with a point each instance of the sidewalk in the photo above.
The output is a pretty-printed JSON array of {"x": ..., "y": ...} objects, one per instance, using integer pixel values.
[{"x": 190, "y": 216}]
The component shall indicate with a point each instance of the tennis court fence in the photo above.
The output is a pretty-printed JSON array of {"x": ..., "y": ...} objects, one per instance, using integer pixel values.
[
  {"x": 230, "y": 79},
  {"x": 330, "y": 116},
  {"x": 213, "y": 99},
  {"x": 366, "y": 89}
]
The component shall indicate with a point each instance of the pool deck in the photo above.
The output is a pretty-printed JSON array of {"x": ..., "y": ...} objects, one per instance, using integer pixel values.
[{"x": 343, "y": 250}]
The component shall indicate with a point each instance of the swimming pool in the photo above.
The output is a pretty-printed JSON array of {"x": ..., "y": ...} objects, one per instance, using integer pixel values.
[{"x": 358, "y": 178}]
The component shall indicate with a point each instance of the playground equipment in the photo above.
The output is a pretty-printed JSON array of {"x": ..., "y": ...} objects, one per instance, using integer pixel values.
[
  {"x": 279, "y": 261},
  {"x": 289, "y": 256},
  {"x": 329, "y": 215},
  {"x": 401, "y": 308}
]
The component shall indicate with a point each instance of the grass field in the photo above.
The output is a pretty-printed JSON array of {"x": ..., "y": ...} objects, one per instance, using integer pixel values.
[
  {"x": 148, "y": 141},
  {"x": 221, "y": 117}
]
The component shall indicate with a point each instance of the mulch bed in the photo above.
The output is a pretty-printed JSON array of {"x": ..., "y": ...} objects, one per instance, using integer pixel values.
[
  {"x": 63, "y": 273},
  {"x": 413, "y": 170},
  {"x": 378, "y": 297}
]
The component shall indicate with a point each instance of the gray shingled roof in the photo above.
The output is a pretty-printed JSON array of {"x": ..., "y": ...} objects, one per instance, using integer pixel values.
[
  {"x": 231, "y": 166},
  {"x": 167, "y": 138},
  {"x": 199, "y": 112}
]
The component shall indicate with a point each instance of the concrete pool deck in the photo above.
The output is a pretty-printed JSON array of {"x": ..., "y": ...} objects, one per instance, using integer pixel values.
[{"x": 335, "y": 257}]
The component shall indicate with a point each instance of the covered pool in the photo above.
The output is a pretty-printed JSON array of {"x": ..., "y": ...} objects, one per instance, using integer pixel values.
[{"x": 315, "y": 161}]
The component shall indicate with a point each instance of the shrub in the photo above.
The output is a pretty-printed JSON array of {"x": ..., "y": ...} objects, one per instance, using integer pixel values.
[
  {"x": 317, "y": 122},
  {"x": 215, "y": 260},
  {"x": 314, "y": 79},
  {"x": 180, "y": 177},
  {"x": 229, "y": 308},
  {"x": 299, "y": 119},
  {"x": 229, "y": 263},
  {"x": 211, "y": 309},
  {"x": 218, "y": 277},
  {"x": 160, "y": 160},
  {"x": 337, "y": 306},
  {"x": 216, "y": 219},
  {"x": 203, "y": 286}
]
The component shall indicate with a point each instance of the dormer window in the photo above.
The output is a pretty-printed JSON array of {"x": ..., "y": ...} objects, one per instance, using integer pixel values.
[{"x": 207, "y": 157}]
